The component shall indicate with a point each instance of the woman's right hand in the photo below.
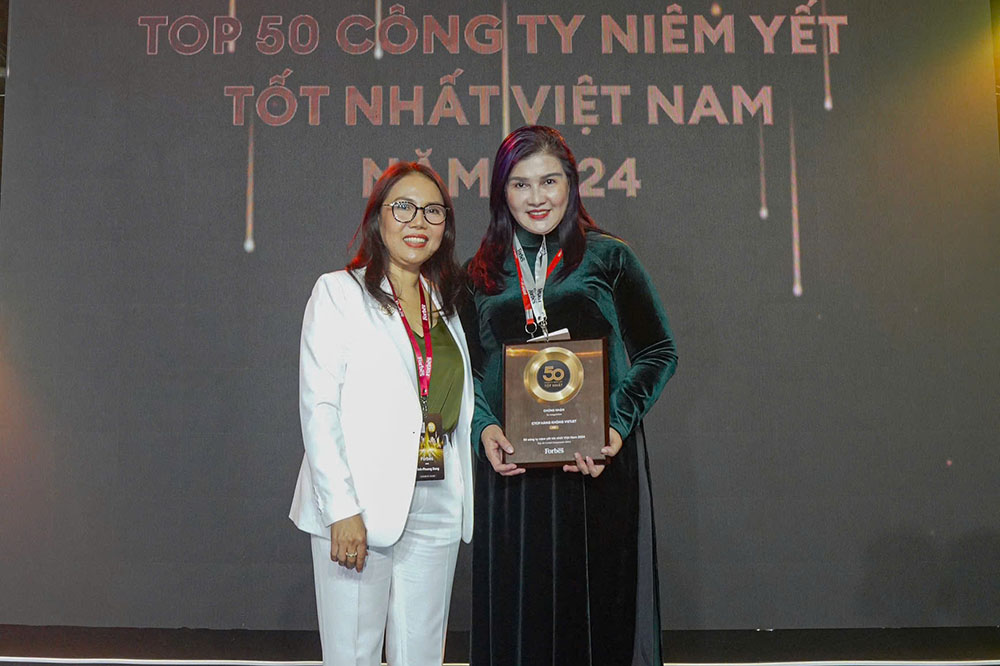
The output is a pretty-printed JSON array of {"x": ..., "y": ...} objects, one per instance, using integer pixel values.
[
  {"x": 493, "y": 440},
  {"x": 349, "y": 542}
]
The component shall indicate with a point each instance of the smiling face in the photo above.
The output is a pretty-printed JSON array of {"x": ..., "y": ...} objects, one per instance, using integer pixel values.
[
  {"x": 411, "y": 244},
  {"x": 538, "y": 192}
]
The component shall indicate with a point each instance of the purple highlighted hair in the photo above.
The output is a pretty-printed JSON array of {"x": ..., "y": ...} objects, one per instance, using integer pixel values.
[{"x": 486, "y": 268}]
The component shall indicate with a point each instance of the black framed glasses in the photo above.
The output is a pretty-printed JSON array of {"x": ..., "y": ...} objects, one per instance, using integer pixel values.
[{"x": 404, "y": 211}]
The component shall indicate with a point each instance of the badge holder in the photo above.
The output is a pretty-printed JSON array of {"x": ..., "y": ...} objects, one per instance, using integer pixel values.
[{"x": 430, "y": 459}]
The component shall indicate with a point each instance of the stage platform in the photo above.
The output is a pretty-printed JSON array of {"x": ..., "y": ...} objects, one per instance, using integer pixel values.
[{"x": 92, "y": 645}]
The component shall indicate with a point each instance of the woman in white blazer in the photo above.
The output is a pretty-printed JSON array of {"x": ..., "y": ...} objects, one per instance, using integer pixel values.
[{"x": 383, "y": 372}]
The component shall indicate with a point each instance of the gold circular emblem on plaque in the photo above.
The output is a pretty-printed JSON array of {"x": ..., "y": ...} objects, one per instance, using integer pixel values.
[{"x": 553, "y": 374}]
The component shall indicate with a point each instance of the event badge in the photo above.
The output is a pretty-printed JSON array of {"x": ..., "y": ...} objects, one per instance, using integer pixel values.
[{"x": 430, "y": 460}]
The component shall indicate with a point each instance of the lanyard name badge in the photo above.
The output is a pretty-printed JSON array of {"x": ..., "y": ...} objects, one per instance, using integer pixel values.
[
  {"x": 430, "y": 456},
  {"x": 533, "y": 286}
]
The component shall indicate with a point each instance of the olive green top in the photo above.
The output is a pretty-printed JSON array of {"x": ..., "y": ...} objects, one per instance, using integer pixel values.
[{"x": 447, "y": 375}]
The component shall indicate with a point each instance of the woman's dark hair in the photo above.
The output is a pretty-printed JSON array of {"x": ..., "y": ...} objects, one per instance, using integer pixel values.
[
  {"x": 441, "y": 269},
  {"x": 486, "y": 268}
]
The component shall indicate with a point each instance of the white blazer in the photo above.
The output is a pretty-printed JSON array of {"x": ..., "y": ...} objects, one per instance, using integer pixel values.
[{"x": 360, "y": 413}]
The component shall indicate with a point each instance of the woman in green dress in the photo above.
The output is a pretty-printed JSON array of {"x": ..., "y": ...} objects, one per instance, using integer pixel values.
[{"x": 564, "y": 560}]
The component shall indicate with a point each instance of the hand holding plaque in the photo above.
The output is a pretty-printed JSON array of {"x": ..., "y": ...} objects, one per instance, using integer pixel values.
[
  {"x": 556, "y": 402},
  {"x": 495, "y": 444},
  {"x": 587, "y": 466}
]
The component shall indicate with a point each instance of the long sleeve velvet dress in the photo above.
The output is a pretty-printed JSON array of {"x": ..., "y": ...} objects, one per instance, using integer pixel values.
[{"x": 564, "y": 565}]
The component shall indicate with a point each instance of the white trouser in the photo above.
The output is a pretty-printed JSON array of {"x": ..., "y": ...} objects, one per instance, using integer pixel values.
[{"x": 404, "y": 591}]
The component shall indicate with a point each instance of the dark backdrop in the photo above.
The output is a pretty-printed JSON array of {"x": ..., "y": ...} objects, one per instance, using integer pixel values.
[{"x": 828, "y": 459}]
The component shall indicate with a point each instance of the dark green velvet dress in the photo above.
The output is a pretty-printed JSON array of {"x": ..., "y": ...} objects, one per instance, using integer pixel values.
[{"x": 564, "y": 565}]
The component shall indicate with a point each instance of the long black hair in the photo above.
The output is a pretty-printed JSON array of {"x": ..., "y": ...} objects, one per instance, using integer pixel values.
[
  {"x": 486, "y": 267},
  {"x": 441, "y": 269}
]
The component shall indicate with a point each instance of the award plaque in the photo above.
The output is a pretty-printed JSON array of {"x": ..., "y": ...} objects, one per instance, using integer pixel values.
[{"x": 555, "y": 401}]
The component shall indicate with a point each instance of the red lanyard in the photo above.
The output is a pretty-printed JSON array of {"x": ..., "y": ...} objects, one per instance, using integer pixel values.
[
  {"x": 425, "y": 360},
  {"x": 529, "y": 311}
]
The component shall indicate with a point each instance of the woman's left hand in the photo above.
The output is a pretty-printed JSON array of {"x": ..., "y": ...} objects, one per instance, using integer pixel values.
[{"x": 587, "y": 466}]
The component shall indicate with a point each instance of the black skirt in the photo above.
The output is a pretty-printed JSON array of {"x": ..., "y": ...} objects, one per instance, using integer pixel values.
[{"x": 564, "y": 566}]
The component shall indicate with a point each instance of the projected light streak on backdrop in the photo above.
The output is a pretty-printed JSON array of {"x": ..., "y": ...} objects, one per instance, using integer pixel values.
[
  {"x": 504, "y": 70},
  {"x": 377, "y": 52},
  {"x": 793, "y": 160},
  {"x": 825, "y": 32},
  {"x": 231, "y": 46},
  {"x": 248, "y": 242},
  {"x": 715, "y": 9},
  {"x": 796, "y": 258},
  {"x": 763, "y": 176}
]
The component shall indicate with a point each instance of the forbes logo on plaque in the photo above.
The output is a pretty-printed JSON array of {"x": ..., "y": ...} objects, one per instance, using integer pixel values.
[{"x": 555, "y": 401}]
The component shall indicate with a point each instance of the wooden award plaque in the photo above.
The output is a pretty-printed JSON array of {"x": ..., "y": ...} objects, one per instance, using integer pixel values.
[{"x": 555, "y": 401}]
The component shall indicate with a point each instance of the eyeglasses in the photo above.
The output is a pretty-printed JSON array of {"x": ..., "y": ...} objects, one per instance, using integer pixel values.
[{"x": 405, "y": 211}]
